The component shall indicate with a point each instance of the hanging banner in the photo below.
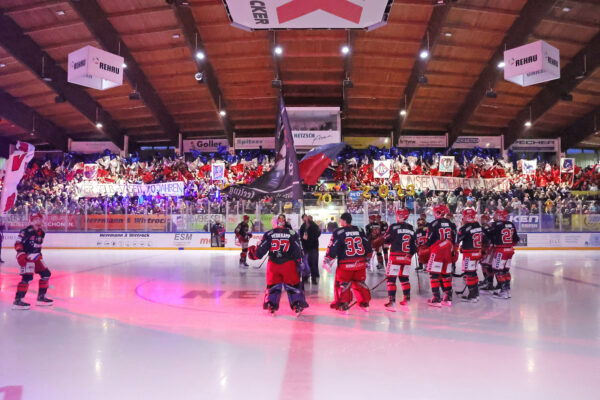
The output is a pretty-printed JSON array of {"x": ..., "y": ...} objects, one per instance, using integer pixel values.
[
  {"x": 218, "y": 172},
  {"x": 204, "y": 145},
  {"x": 381, "y": 169},
  {"x": 485, "y": 142},
  {"x": 95, "y": 68},
  {"x": 90, "y": 171},
  {"x": 532, "y": 63},
  {"x": 439, "y": 141},
  {"x": 252, "y": 143},
  {"x": 307, "y": 14},
  {"x": 96, "y": 189},
  {"x": 567, "y": 165},
  {"x": 536, "y": 145},
  {"x": 447, "y": 164},
  {"x": 14, "y": 169},
  {"x": 94, "y": 147},
  {"x": 446, "y": 183},
  {"x": 529, "y": 167}
]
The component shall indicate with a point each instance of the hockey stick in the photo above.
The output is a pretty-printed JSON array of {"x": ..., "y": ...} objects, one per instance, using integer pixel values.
[
  {"x": 370, "y": 289},
  {"x": 261, "y": 264},
  {"x": 418, "y": 275}
]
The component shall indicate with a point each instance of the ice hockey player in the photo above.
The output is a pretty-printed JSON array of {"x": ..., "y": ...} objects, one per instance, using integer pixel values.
[
  {"x": 401, "y": 237},
  {"x": 503, "y": 237},
  {"x": 386, "y": 246},
  {"x": 441, "y": 239},
  {"x": 352, "y": 249},
  {"x": 285, "y": 254},
  {"x": 487, "y": 285},
  {"x": 421, "y": 239},
  {"x": 29, "y": 256},
  {"x": 470, "y": 237},
  {"x": 375, "y": 236},
  {"x": 243, "y": 235}
]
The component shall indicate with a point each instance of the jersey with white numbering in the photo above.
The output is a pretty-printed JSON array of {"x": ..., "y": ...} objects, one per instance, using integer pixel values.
[
  {"x": 282, "y": 244},
  {"x": 470, "y": 236},
  {"x": 503, "y": 234},
  {"x": 349, "y": 245},
  {"x": 31, "y": 240},
  {"x": 421, "y": 236},
  {"x": 439, "y": 230},
  {"x": 402, "y": 238}
]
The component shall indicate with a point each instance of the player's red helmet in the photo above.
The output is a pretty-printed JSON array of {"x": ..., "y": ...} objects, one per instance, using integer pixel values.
[
  {"x": 35, "y": 216},
  {"x": 441, "y": 211},
  {"x": 485, "y": 219},
  {"x": 500, "y": 215},
  {"x": 246, "y": 218},
  {"x": 378, "y": 217},
  {"x": 402, "y": 214},
  {"x": 372, "y": 217},
  {"x": 469, "y": 215}
]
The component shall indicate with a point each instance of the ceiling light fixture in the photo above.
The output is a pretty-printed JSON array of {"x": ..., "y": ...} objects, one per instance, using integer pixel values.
[
  {"x": 582, "y": 75},
  {"x": 448, "y": 34},
  {"x": 60, "y": 12},
  {"x": 424, "y": 54},
  {"x": 2, "y": 65},
  {"x": 124, "y": 65},
  {"x": 176, "y": 36},
  {"x": 44, "y": 77},
  {"x": 403, "y": 111},
  {"x": 278, "y": 50},
  {"x": 222, "y": 112},
  {"x": 529, "y": 123},
  {"x": 32, "y": 133},
  {"x": 501, "y": 64},
  {"x": 345, "y": 49},
  {"x": 566, "y": 9},
  {"x": 98, "y": 123},
  {"x": 200, "y": 55}
]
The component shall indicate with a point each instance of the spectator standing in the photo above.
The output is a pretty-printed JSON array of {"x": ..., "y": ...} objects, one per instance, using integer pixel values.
[
  {"x": 332, "y": 225},
  {"x": 309, "y": 235}
]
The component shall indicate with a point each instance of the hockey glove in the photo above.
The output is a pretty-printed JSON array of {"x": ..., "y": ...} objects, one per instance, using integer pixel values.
[
  {"x": 328, "y": 264},
  {"x": 252, "y": 253}
]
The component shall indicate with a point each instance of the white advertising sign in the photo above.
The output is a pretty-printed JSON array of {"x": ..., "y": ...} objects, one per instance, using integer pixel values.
[
  {"x": 94, "y": 147},
  {"x": 381, "y": 169},
  {"x": 205, "y": 145},
  {"x": 311, "y": 139},
  {"x": 95, "y": 68},
  {"x": 423, "y": 141},
  {"x": 536, "y": 145},
  {"x": 447, "y": 164},
  {"x": 96, "y": 189},
  {"x": 532, "y": 63},
  {"x": 307, "y": 14},
  {"x": 485, "y": 142},
  {"x": 251, "y": 143}
]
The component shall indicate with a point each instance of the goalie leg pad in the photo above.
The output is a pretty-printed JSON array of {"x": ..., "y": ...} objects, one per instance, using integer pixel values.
[
  {"x": 295, "y": 295},
  {"x": 273, "y": 295}
]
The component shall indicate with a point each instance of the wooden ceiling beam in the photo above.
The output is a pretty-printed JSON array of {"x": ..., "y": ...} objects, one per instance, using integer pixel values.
[
  {"x": 487, "y": 10},
  {"x": 193, "y": 39},
  {"x": 30, "y": 54},
  {"x": 97, "y": 22},
  {"x": 551, "y": 94},
  {"x": 39, "y": 5},
  {"x": 532, "y": 14},
  {"x": 585, "y": 126}
]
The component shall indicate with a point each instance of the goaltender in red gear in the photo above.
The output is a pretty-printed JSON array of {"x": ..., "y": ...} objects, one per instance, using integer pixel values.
[
  {"x": 29, "y": 256},
  {"x": 352, "y": 249},
  {"x": 401, "y": 236},
  {"x": 285, "y": 254},
  {"x": 441, "y": 239}
]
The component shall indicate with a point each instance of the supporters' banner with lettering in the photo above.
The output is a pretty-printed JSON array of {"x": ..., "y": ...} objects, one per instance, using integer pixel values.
[
  {"x": 381, "y": 169},
  {"x": 218, "y": 171},
  {"x": 447, "y": 164},
  {"x": 207, "y": 145},
  {"x": 90, "y": 171},
  {"x": 307, "y": 14},
  {"x": 567, "y": 165},
  {"x": 446, "y": 183},
  {"x": 282, "y": 182},
  {"x": 529, "y": 167},
  {"x": 95, "y": 189},
  {"x": 14, "y": 170},
  {"x": 435, "y": 141},
  {"x": 470, "y": 142}
]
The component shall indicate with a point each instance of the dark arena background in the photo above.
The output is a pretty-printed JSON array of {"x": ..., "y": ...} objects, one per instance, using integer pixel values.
[{"x": 298, "y": 199}]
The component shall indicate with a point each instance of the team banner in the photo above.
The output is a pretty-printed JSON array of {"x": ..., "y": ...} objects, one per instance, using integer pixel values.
[
  {"x": 90, "y": 171},
  {"x": 205, "y": 145},
  {"x": 381, "y": 169},
  {"x": 307, "y": 14},
  {"x": 446, "y": 183},
  {"x": 447, "y": 164},
  {"x": 282, "y": 182},
  {"x": 529, "y": 167},
  {"x": 218, "y": 172},
  {"x": 567, "y": 165},
  {"x": 14, "y": 169},
  {"x": 470, "y": 142},
  {"x": 435, "y": 141},
  {"x": 96, "y": 189}
]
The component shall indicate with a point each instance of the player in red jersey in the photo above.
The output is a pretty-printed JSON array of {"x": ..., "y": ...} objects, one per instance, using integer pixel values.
[
  {"x": 421, "y": 239},
  {"x": 375, "y": 236},
  {"x": 470, "y": 236},
  {"x": 441, "y": 239}
]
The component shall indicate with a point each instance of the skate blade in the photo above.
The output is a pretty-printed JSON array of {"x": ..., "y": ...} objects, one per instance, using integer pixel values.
[
  {"x": 43, "y": 304},
  {"x": 20, "y": 307},
  {"x": 391, "y": 309},
  {"x": 435, "y": 305},
  {"x": 447, "y": 303}
]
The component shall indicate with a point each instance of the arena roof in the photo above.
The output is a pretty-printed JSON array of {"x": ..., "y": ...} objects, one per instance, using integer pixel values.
[{"x": 159, "y": 40}]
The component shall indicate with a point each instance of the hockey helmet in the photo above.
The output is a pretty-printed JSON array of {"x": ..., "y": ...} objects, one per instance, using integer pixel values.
[
  {"x": 372, "y": 218},
  {"x": 469, "y": 215},
  {"x": 246, "y": 218},
  {"x": 378, "y": 218},
  {"x": 500, "y": 215},
  {"x": 485, "y": 219},
  {"x": 402, "y": 214},
  {"x": 35, "y": 216},
  {"x": 441, "y": 211}
]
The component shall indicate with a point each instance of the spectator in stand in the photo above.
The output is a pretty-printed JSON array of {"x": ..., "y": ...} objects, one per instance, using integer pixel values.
[
  {"x": 332, "y": 225},
  {"x": 309, "y": 235}
]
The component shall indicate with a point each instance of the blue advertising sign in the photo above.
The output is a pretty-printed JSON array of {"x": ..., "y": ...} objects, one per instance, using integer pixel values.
[{"x": 531, "y": 223}]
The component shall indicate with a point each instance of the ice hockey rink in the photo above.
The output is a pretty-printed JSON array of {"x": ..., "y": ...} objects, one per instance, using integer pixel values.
[{"x": 188, "y": 325}]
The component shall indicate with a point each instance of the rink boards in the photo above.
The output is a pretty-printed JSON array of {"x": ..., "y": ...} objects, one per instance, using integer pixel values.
[{"x": 199, "y": 241}]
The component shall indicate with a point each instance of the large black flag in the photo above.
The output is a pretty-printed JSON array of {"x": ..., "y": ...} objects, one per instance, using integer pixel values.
[{"x": 282, "y": 182}]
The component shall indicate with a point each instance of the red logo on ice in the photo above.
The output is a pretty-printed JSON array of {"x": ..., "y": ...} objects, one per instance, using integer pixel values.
[{"x": 298, "y": 8}]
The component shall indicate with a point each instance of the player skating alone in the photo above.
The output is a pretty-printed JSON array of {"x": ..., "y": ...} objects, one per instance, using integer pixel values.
[
  {"x": 375, "y": 236},
  {"x": 401, "y": 237},
  {"x": 503, "y": 237},
  {"x": 441, "y": 239},
  {"x": 285, "y": 253},
  {"x": 470, "y": 237},
  {"x": 243, "y": 235},
  {"x": 29, "y": 256},
  {"x": 352, "y": 249}
]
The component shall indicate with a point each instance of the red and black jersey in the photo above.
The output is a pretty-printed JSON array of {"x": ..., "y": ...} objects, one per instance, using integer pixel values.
[
  {"x": 503, "y": 234},
  {"x": 242, "y": 231},
  {"x": 439, "y": 230},
  {"x": 374, "y": 230},
  {"x": 30, "y": 240},
  {"x": 350, "y": 246},
  {"x": 282, "y": 244},
  {"x": 421, "y": 236},
  {"x": 470, "y": 236},
  {"x": 402, "y": 238}
]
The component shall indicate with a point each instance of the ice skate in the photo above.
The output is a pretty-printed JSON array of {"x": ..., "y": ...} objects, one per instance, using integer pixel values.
[
  {"x": 364, "y": 307},
  {"x": 447, "y": 301},
  {"x": 20, "y": 305},
  {"x": 44, "y": 301},
  {"x": 298, "y": 309},
  {"x": 405, "y": 302},
  {"x": 434, "y": 302},
  {"x": 243, "y": 264},
  {"x": 390, "y": 305},
  {"x": 470, "y": 299},
  {"x": 501, "y": 294}
]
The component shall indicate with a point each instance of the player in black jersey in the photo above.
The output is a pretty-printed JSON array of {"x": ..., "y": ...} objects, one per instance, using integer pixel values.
[
  {"x": 470, "y": 236},
  {"x": 375, "y": 236},
  {"x": 421, "y": 239},
  {"x": 503, "y": 237},
  {"x": 441, "y": 239},
  {"x": 243, "y": 235},
  {"x": 486, "y": 256},
  {"x": 401, "y": 237},
  {"x": 386, "y": 247},
  {"x": 285, "y": 252}
]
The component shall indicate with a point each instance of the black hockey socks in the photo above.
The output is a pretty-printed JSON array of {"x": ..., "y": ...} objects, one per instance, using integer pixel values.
[
  {"x": 405, "y": 287},
  {"x": 391, "y": 287},
  {"x": 435, "y": 286}
]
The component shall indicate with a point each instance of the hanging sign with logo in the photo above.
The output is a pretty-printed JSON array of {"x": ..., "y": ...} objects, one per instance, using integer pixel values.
[
  {"x": 95, "y": 68},
  {"x": 423, "y": 141},
  {"x": 536, "y": 145},
  {"x": 485, "y": 142},
  {"x": 250, "y": 143},
  {"x": 207, "y": 145},
  {"x": 381, "y": 169},
  {"x": 567, "y": 165},
  {"x": 532, "y": 63},
  {"x": 307, "y": 14}
]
